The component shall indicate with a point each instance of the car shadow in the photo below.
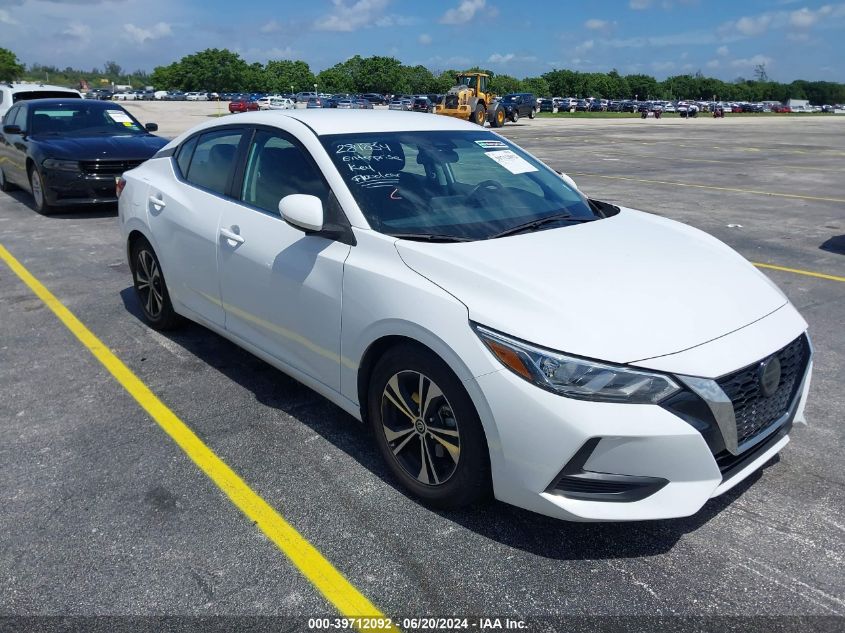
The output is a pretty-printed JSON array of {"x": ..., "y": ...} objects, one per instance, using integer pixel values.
[
  {"x": 514, "y": 527},
  {"x": 835, "y": 244}
]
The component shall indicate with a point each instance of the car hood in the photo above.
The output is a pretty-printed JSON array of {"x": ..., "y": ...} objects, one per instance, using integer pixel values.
[
  {"x": 129, "y": 147},
  {"x": 630, "y": 287}
]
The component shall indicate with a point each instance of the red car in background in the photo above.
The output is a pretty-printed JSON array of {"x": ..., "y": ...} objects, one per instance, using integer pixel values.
[{"x": 241, "y": 105}]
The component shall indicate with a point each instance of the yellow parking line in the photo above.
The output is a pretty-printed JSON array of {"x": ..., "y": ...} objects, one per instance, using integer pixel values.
[
  {"x": 798, "y": 271},
  {"x": 310, "y": 562},
  {"x": 697, "y": 186}
]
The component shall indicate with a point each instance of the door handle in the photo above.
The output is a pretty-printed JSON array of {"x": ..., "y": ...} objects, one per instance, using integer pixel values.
[
  {"x": 231, "y": 236},
  {"x": 158, "y": 203}
]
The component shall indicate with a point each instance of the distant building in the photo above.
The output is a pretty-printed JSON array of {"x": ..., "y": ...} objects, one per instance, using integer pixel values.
[{"x": 799, "y": 104}]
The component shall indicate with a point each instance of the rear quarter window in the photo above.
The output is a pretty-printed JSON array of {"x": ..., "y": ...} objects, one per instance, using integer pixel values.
[{"x": 183, "y": 157}]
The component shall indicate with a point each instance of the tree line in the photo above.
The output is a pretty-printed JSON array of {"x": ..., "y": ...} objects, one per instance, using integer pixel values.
[{"x": 221, "y": 70}]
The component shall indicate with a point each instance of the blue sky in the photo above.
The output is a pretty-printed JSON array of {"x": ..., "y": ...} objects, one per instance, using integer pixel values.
[{"x": 726, "y": 39}]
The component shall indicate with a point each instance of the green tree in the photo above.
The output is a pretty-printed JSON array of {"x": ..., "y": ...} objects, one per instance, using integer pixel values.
[
  {"x": 214, "y": 69},
  {"x": 281, "y": 74},
  {"x": 504, "y": 84},
  {"x": 640, "y": 86},
  {"x": 538, "y": 86},
  {"x": 10, "y": 67},
  {"x": 336, "y": 79}
]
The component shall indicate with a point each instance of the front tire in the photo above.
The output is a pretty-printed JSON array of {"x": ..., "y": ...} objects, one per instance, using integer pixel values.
[
  {"x": 532, "y": 114},
  {"x": 5, "y": 185},
  {"x": 36, "y": 185},
  {"x": 150, "y": 287},
  {"x": 480, "y": 115},
  {"x": 427, "y": 428},
  {"x": 515, "y": 116}
]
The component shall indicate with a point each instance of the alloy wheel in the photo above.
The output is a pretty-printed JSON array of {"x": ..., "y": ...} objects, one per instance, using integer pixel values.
[
  {"x": 37, "y": 188},
  {"x": 148, "y": 283},
  {"x": 420, "y": 427}
]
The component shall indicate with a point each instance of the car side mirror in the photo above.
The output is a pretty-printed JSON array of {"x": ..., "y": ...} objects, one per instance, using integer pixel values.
[
  {"x": 12, "y": 129},
  {"x": 151, "y": 127},
  {"x": 302, "y": 211}
]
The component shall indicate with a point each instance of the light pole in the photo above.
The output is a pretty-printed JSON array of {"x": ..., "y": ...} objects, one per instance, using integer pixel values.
[{"x": 315, "y": 90}]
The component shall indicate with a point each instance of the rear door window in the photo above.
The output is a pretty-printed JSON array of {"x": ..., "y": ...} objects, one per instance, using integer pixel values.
[
  {"x": 183, "y": 157},
  {"x": 213, "y": 161}
]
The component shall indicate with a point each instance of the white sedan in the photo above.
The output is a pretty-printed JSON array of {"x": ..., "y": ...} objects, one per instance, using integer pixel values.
[{"x": 501, "y": 332}]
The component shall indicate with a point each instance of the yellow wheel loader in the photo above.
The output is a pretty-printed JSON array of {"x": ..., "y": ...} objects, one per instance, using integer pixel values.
[{"x": 469, "y": 100}]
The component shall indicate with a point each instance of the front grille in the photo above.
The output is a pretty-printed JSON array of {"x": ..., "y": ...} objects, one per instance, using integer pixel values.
[
  {"x": 753, "y": 411},
  {"x": 451, "y": 102},
  {"x": 108, "y": 167}
]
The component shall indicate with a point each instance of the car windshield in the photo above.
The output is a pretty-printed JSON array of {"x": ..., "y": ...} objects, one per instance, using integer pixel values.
[
  {"x": 82, "y": 119},
  {"x": 509, "y": 98},
  {"x": 465, "y": 185}
]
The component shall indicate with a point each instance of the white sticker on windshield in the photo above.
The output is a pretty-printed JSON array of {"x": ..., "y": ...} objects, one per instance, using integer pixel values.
[
  {"x": 119, "y": 115},
  {"x": 491, "y": 144},
  {"x": 513, "y": 163}
]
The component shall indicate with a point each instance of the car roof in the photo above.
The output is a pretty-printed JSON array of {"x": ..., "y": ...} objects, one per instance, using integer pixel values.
[
  {"x": 331, "y": 121},
  {"x": 18, "y": 87},
  {"x": 72, "y": 101}
]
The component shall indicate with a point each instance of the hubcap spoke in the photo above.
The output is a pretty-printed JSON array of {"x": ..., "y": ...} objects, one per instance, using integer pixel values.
[
  {"x": 433, "y": 393},
  {"x": 430, "y": 461},
  {"x": 453, "y": 450},
  {"x": 392, "y": 435},
  {"x": 423, "y": 476},
  {"x": 397, "y": 399},
  {"x": 404, "y": 443},
  {"x": 437, "y": 429}
]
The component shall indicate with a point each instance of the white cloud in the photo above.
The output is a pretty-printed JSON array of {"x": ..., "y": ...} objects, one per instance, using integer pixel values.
[
  {"x": 141, "y": 35},
  {"x": 424, "y": 39},
  {"x": 78, "y": 31},
  {"x": 754, "y": 25},
  {"x": 801, "y": 20},
  {"x": 595, "y": 24},
  {"x": 723, "y": 51},
  {"x": 583, "y": 47},
  {"x": 662, "y": 66},
  {"x": 5, "y": 18},
  {"x": 351, "y": 17},
  {"x": 271, "y": 27},
  {"x": 750, "y": 62},
  {"x": 713, "y": 63},
  {"x": 498, "y": 58},
  {"x": 463, "y": 13}
]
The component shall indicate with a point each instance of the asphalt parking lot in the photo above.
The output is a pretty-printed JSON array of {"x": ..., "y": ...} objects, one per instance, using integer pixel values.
[{"x": 103, "y": 514}]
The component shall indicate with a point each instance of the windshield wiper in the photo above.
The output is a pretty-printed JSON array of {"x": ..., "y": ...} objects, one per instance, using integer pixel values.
[
  {"x": 430, "y": 237},
  {"x": 535, "y": 224}
]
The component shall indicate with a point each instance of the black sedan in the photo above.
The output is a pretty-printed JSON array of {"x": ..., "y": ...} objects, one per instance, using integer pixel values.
[{"x": 68, "y": 152}]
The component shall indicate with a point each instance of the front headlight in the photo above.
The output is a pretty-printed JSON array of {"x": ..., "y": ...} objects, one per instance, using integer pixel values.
[
  {"x": 61, "y": 165},
  {"x": 577, "y": 377}
]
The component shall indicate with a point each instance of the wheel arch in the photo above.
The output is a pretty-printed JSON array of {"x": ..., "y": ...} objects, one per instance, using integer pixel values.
[{"x": 432, "y": 343}]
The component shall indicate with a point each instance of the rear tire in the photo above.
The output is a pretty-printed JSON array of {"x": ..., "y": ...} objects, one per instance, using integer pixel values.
[
  {"x": 150, "y": 287},
  {"x": 427, "y": 429},
  {"x": 532, "y": 114}
]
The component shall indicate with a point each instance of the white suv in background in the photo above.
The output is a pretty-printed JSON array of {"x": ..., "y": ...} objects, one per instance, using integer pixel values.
[{"x": 11, "y": 93}]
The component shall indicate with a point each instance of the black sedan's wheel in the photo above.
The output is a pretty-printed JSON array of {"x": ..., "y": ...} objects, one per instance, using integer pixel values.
[
  {"x": 151, "y": 288},
  {"x": 515, "y": 115},
  {"x": 5, "y": 185},
  {"x": 427, "y": 428},
  {"x": 36, "y": 185},
  {"x": 532, "y": 114}
]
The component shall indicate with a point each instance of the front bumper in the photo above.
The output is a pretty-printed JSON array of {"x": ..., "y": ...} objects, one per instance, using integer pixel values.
[
  {"x": 68, "y": 188},
  {"x": 595, "y": 461}
]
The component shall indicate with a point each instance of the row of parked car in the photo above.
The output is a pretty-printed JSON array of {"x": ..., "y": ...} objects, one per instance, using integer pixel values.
[{"x": 571, "y": 104}]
